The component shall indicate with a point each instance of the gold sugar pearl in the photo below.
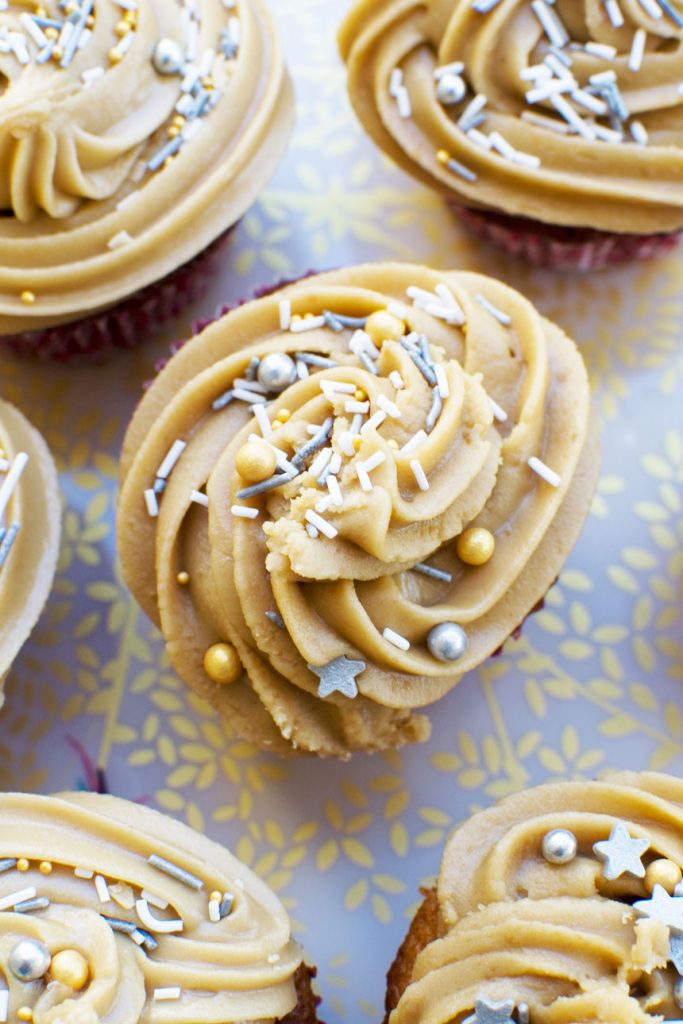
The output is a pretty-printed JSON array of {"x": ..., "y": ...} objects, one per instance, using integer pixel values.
[
  {"x": 70, "y": 968},
  {"x": 57, "y": 54},
  {"x": 662, "y": 872},
  {"x": 51, "y": 33},
  {"x": 222, "y": 664},
  {"x": 178, "y": 121},
  {"x": 255, "y": 462},
  {"x": 384, "y": 326},
  {"x": 115, "y": 56},
  {"x": 183, "y": 578},
  {"x": 27, "y": 297},
  {"x": 23, "y": 864},
  {"x": 132, "y": 18},
  {"x": 40, "y": 12},
  {"x": 475, "y": 546},
  {"x": 90, "y": 21},
  {"x": 357, "y": 441},
  {"x": 25, "y": 1013},
  {"x": 45, "y": 867},
  {"x": 208, "y": 83},
  {"x": 283, "y": 416},
  {"x": 393, "y": 443},
  {"x": 443, "y": 156},
  {"x": 173, "y": 132},
  {"x": 360, "y": 395},
  {"x": 216, "y": 896},
  {"x": 122, "y": 29}
]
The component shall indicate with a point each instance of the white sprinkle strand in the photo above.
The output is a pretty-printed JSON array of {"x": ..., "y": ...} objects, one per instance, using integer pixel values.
[
  {"x": 244, "y": 512},
  {"x": 166, "y": 467},
  {"x": 4, "y": 1005},
  {"x": 83, "y": 873},
  {"x": 652, "y": 8},
  {"x": 389, "y": 407},
  {"x": 498, "y": 413},
  {"x": 397, "y": 380},
  {"x": 11, "y": 480},
  {"x": 441, "y": 380},
  {"x": 119, "y": 241},
  {"x": 639, "y": 133},
  {"x": 375, "y": 421},
  {"x": 151, "y": 503},
  {"x": 169, "y": 992},
  {"x": 375, "y": 460},
  {"x": 312, "y": 324},
  {"x": 156, "y": 924},
  {"x": 498, "y": 314},
  {"x": 414, "y": 442},
  {"x": 102, "y": 889},
  {"x": 17, "y": 897},
  {"x": 614, "y": 13},
  {"x": 321, "y": 524},
  {"x": 199, "y": 498},
  {"x": 285, "y": 314},
  {"x": 635, "y": 59},
  {"x": 544, "y": 471},
  {"x": 335, "y": 490},
  {"x": 214, "y": 911},
  {"x": 396, "y": 639},
  {"x": 419, "y": 474},
  {"x": 550, "y": 23},
  {"x": 263, "y": 420}
]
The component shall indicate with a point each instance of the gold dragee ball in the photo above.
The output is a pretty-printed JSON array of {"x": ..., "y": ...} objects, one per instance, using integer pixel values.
[
  {"x": 383, "y": 326},
  {"x": 255, "y": 462},
  {"x": 71, "y": 968},
  {"x": 222, "y": 664},
  {"x": 662, "y": 872},
  {"x": 475, "y": 546}
]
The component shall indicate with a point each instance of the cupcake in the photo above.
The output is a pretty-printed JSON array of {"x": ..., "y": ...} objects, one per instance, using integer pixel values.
[
  {"x": 30, "y": 517},
  {"x": 340, "y": 497},
  {"x": 132, "y": 138},
  {"x": 114, "y": 912},
  {"x": 562, "y": 904},
  {"x": 554, "y": 128}
]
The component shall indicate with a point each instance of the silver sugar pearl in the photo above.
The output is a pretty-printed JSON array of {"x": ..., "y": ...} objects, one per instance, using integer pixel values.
[
  {"x": 447, "y": 642},
  {"x": 276, "y": 371},
  {"x": 29, "y": 960},
  {"x": 559, "y": 846},
  {"x": 450, "y": 89},
  {"x": 167, "y": 57},
  {"x": 678, "y": 993}
]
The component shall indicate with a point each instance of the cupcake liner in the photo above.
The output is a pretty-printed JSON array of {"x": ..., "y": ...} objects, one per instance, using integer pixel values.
[
  {"x": 563, "y": 248},
  {"x": 126, "y": 325}
]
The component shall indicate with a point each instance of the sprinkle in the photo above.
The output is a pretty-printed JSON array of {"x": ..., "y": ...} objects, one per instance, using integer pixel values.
[
  {"x": 12, "y": 478},
  {"x": 311, "y": 359},
  {"x": 312, "y": 324},
  {"x": 484, "y": 6},
  {"x": 396, "y": 639},
  {"x": 277, "y": 620},
  {"x": 603, "y": 78},
  {"x": 323, "y": 457},
  {"x": 354, "y": 322},
  {"x": 368, "y": 363},
  {"x": 444, "y": 157},
  {"x": 639, "y": 133},
  {"x": 7, "y": 864},
  {"x": 315, "y": 444},
  {"x": 252, "y": 368},
  {"x": 471, "y": 111},
  {"x": 118, "y": 925},
  {"x": 397, "y": 380},
  {"x": 180, "y": 874},
  {"x": 151, "y": 503},
  {"x": 590, "y": 102},
  {"x": 544, "y": 471},
  {"x": 199, "y": 498},
  {"x": 566, "y": 111},
  {"x": 652, "y": 8},
  {"x": 449, "y": 299},
  {"x": 375, "y": 460},
  {"x": 154, "y": 900},
  {"x": 356, "y": 424},
  {"x": 336, "y": 387},
  {"x": 434, "y": 412},
  {"x": 301, "y": 370},
  {"x": 4, "y": 1005},
  {"x": 321, "y": 524},
  {"x": 84, "y": 873},
  {"x": 285, "y": 314},
  {"x": 228, "y": 899},
  {"x": 246, "y": 395},
  {"x": 214, "y": 911},
  {"x": 397, "y": 310},
  {"x": 501, "y": 317},
  {"x": 395, "y": 81},
  {"x": 273, "y": 958},
  {"x": 312, "y": 532},
  {"x": 363, "y": 477},
  {"x": 7, "y": 538},
  {"x": 419, "y": 474},
  {"x": 102, "y": 889},
  {"x": 20, "y": 896},
  {"x": 426, "y": 370},
  {"x": 603, "y": 50},
  {"x": 156, "y": 924},
  {"x": 414, "y": 442},
  {"x": 353, "y": 406},
  {"x": 223, "y": 400},
  {"x": 119, "y": 241},
  {"x": 635, "y": 59},
  {"x": 362, "y": 342},
  {"x": 263, "y": 420},
  {"x": 28, "y": 906},
  {"x": 550, "y": 23},
  {"x": 335, "y": 490},
  {"x": 166, "y": 467},
  {"x": 540, "y": 121},
  {"x": 375, "y": 421},
  {"x": 614, "y": 13},
  {"x": 441, "y": 380},
  {"x": 169, "y": 992},
  {"x": 433, "y": 572},
  {"x": 498, "y": 413},
  {"x": 389, "y": 407},
  {"x": 244, "y": 512}
]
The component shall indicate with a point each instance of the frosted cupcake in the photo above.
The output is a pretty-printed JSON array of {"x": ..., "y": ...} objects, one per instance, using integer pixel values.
[
  {"x": 132, "y": 137},
  {"x": 340, "y": 497},
  {"x": 555, "y": 129},
  {"x": 112, "y": 911},
  {"x": 561, "y": 904},
  {"x": 30, "y": 516}
]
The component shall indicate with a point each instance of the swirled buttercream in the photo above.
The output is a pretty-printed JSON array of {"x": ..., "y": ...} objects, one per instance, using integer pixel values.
[
  {"x": 130, "y": 138},
  {"x": 30, "y": 517},
  {"x": 166, "y": 925},
  {"x": 590, "y": 935},
  {"x": 420, "y": 405},
  {"x": 566, "y": 113}
]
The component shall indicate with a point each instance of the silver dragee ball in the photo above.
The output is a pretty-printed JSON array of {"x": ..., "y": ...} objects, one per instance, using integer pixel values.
[
  {"x": 450, "y": 89},
  {"x": 678, "y": 993},
  {"x": 167, "y": 57},
  {"x": 447, "y": 642},
  {"x": 276, "y": 371},
  {"x": 29, "y": 960},
  {"x": 559, "y": 846}
]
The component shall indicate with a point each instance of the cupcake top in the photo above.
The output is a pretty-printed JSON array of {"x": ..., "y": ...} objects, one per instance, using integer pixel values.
[
  {"x": 30, "y": 517},
  {"x": 566, "y": 113},
  {"x": 340, "y": 497},
  {"x": 561, "y": 904},
  {"x": 114, "y": 912},
  {"x": 131, "y": 136}
]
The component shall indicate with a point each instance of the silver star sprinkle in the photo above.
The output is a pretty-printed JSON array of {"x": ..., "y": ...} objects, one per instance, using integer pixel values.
[
  {"x": 338, "y": 676},
  {"x": 665, "y": 908},
  {"x": 620, "y": 854},
  {"x": 488, "y": 1012}
]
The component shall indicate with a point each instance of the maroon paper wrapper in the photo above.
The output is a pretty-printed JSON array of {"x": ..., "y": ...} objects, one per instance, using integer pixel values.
[
  {"x": 126, "y": 325},
  {"x": 554, "y": 247}
]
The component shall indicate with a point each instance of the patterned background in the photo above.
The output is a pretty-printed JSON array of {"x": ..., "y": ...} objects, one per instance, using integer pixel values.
[{"x": 594, "y": 683}]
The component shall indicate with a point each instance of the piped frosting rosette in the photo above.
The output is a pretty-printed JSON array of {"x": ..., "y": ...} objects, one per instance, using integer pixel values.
[
  {"x": 339, "y": 498},
  {"x": 561, "y": 905},
  {"x": 131, "y": 137},
  {"x": 110, "y": 911},
  {"x": 566, "y": 113},
  {"x": 30, "y": 516}
]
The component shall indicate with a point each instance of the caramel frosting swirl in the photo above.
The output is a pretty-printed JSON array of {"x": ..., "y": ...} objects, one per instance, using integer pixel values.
[
  {"x": 569, "y": 940},
  {"x": 30, "y": 516},
  {"x": 168, "y": 925},
  {"x": 571, "y": 115},
  {"x": 129, "y": 140},
  {"x": 389, "y": 450}
]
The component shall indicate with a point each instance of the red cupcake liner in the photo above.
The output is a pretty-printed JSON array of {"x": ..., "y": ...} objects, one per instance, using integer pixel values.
[
  {"x": 555, "y": 247},
  {"x": 126, "y": 325}
]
